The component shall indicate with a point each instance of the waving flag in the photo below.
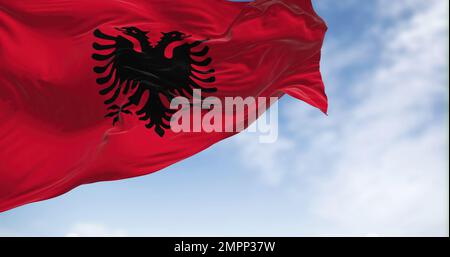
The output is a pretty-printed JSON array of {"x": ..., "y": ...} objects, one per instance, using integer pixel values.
[{"x": 85, "y": 86}]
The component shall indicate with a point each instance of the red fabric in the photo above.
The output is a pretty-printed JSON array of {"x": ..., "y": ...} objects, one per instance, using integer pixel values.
[{"x": 53, "y": 133}]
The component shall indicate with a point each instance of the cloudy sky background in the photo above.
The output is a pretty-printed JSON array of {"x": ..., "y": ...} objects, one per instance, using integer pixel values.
[{"x": 377, "y": 165}]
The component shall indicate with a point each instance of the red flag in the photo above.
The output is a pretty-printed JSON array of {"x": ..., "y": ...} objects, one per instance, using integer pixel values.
[{"x": 64, "y": 65}]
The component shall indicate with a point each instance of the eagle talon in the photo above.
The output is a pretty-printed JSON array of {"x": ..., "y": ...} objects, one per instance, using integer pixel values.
[
  {"x": 116, "y": 114},
  {"x": 114, "y": 107},
  {"x": 111, "y": 114}
]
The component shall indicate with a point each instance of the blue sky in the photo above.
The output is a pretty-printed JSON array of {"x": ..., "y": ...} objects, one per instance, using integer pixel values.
[{"x": 377, "y": 165}]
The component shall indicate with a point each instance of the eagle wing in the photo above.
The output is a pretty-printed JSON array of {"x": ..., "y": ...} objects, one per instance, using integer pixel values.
[
  {"x": 122, "y": 65},
  {"x": 189, "y": 69}
]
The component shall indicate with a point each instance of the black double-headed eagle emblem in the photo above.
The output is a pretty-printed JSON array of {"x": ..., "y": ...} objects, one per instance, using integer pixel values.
[{"x": 150, "y": 72}]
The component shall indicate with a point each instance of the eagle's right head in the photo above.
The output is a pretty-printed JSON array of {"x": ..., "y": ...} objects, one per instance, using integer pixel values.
[{"x": 174, "y": 36}]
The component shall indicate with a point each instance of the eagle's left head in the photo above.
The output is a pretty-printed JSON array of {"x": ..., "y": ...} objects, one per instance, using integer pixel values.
[{"x": 133, "y": 31}]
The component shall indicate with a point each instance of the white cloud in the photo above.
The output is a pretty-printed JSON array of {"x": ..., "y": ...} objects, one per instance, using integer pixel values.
[
  {"x": 264, "y": 158},
  {"x": 93, "y": 230},
  {"x": 377, "y": 165}
]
